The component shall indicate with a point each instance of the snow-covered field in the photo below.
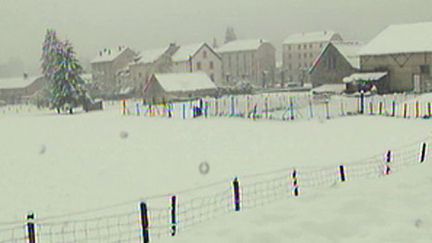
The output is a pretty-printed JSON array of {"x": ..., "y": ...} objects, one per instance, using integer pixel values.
[{"x": 82, "y": 167}]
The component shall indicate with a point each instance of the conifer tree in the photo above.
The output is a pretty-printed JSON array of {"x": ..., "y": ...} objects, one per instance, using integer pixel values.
[{"x": 63, "y": 72}]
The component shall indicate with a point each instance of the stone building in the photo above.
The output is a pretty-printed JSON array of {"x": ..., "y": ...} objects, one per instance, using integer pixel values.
[
  {"x": 404, "y": 52},
  {"x": 251, "y": 61},
  {"x": 199, "y": 57},
  {"x": 107, "y": 65},
  {"x": 300, "y": 50},
  {"x": 335, "y": 62}
]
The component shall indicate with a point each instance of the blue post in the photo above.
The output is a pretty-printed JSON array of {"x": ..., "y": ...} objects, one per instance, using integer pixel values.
[{"x": 184, "y": 111}]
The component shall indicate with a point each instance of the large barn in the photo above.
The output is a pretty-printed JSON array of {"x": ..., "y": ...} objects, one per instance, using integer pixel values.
[
  {"x": 404, "y": 52},
  {"x": 20, "y": 89},
  {"x": 178, "y": 86}
]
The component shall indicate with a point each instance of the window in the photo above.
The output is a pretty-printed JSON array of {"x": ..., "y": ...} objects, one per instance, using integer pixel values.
[
  {"x": 310, "y": 55},
  {"x": 212, "y": 77},
  {"x": 299, "y": 47},
  {"x": 425, "y": 69},
  {"x": 289, "y": 66},
  {"x": 198, "y": 65},
  {"x": 305, "y": 55},
  {"x": 331, "y": 64},
  {"x": 204, "y": 54},
  {"x": 305, "y": 46},
  {"x": 299, "y": 56},
  {"x": 289, "y": 47},
  {"x": 211, "y": 65},
  {"x": 289, "y": 56},
  {"x": 310, "y": 46}
]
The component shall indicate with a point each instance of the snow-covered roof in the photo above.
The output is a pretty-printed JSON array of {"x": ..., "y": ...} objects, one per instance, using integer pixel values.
[
  {"x": 172, "y": 82},
  {"x": 149, "y": 56},
  {"x": 350, "y": 51},
  {"x": 186, "y": 51},
  {"x": 17, "y": 82},
  {"x": 330, "y": 88},
  {"x": 364, "y": 77},
  {"x": 108, "y": 55},
  {"x": 405, "y": 38},
  {"x": 241, "y": 45},
  {"x": 319, "y": 36}
]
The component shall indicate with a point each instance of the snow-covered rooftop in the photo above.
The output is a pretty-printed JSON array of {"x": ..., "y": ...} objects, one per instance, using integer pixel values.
[
  {"x": 364, "y": 77},
  {"x": 186, "y": 51},
  {"x": 350, "y": 51},
  {"x": 149, "y": 56},
  {"x": 108, "y": 55},
  {"x": 241, "y": 45},
  {"x": 319, "y": 36},
  {"x": 405, "y": 38},
  {"x": 17, "y": 82},
  {"x": 330, "y": 88},
  {"x": 172, "y": 82}
]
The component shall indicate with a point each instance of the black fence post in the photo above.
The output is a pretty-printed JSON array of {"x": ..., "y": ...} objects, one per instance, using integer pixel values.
[
  {"x": 173, "y": 215},
  {"x": 423, "y": 153},
  {"x": 31, "y": 228},
  {"x": 295, "y": 183},
  {"x": 236, "y": 187},
  {"x": 292, "y": 108},
  {"x": 388, "y": 160},
  {"x": 144, "y": 222},
  {"x": 393, "y": 108},
  {"x": 342, "y": 173},
  {"x": 362, "y": 104}
]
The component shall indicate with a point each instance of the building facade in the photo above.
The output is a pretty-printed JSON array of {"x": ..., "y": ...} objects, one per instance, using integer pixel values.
[
  {"x": 300, "y": 50},
  {"x": 198, "y": 57},
  {"x": 405, "y": 53},
  {"x": 106, "y": 66},
  {"x": 252, "y": 61}
]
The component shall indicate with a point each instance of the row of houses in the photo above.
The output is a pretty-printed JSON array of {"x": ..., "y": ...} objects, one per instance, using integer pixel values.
[{"x": 240, "y": 60}]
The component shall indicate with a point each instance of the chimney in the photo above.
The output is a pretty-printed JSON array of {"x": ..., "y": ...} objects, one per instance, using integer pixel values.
[
  {"x": 109, "y": 52},
  {"x": 261, "y": 41},
  {"x": 25, "y": 75},
  {"x": 100, "y": 53},
  {"x": 119, "y": 48}
]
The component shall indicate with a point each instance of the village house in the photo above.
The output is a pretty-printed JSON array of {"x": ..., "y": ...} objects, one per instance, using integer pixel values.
[
  {"x": 404, "y": 52},
  {"x": 199, "y": 57},
  {"x": 149, "y": 62},
  {"x": 300, "y": 50},
  {"x": 178, "y": 86},
  {"x": 20, "y": 89},
  {"x": 252, "y": 61},
  {"x": 334, "y": 63},
  {"x": 107, "y": 65}
]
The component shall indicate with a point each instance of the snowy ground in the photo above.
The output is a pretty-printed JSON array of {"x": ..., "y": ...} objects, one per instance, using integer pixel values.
[{"x": 56, "y": 165}]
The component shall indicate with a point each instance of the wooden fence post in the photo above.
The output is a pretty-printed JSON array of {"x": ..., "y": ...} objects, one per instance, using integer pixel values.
[
  {"x": 295, "y": 183},
  {"x": 236, "y": 188},
  {"x": 144, "y": 222},
  {"x": 423, "y": 153},
  {"x": 31, "y": 228},
  {"x": 342, "y": 173},
  {"x": 173, "y": 215}
]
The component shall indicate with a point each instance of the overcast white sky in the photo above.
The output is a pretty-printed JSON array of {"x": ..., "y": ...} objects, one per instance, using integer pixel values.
[{"x": 94, "y": 24}]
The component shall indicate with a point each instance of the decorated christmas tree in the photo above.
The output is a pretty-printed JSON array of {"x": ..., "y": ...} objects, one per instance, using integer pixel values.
[{"x": 63, "y": 72}]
